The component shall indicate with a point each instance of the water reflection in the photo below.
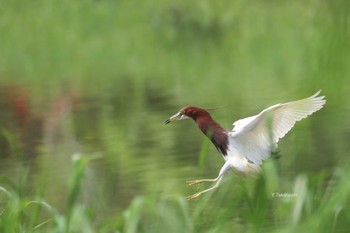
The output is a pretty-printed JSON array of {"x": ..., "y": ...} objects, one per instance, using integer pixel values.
[
  {"x": 17, "y": 119},
  {"x": 38, "y": 142},
  {"x": 136, "y": 153}
]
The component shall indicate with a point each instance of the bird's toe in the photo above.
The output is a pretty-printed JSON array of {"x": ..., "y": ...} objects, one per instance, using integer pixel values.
[
  {"x": 192, "y": 182},
  {"x": 194, "y": 196}
]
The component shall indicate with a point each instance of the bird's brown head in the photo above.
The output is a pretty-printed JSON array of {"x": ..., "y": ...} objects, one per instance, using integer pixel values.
[
  {"x": 206, "y": 124},
  {"x": 189, "y": 112}
]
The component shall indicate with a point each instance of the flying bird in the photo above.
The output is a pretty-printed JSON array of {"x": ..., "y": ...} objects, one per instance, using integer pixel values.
[{"x": 252, "y": 139}]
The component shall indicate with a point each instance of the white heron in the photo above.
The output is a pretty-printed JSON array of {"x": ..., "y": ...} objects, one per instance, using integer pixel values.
[{"x": 253, "y": 138}]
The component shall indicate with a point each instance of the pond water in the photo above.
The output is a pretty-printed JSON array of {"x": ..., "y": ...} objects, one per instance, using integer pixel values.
[{"x": 133, "y": 152}]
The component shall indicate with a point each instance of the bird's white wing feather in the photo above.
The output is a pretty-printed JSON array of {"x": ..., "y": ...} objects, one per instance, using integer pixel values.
[{"x": 254, "y": 137}]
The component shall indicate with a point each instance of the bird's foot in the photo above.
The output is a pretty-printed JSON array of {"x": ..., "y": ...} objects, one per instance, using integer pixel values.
[
  {"x": 192, "y": 182},
  {"x": 194, "y": 196},
  {"x": 204, "y": 191}
]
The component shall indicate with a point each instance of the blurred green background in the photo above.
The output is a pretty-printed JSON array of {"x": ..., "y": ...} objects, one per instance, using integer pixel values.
[{"x": 85, "y": 86}]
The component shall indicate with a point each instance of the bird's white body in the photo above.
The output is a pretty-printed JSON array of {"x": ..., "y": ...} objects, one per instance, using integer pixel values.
[
  {"x": 254, "y": 138},
  {"x": 241, "y": 166}
]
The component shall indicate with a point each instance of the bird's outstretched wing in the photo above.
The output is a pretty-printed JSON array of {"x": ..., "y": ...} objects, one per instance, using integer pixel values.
[{"x": 254, "y": 137}]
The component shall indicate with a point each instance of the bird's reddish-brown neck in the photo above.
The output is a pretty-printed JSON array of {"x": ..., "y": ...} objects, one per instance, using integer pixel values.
[
  {"x": 206, "y": 123},
  {"x": 213, "y": 130}
]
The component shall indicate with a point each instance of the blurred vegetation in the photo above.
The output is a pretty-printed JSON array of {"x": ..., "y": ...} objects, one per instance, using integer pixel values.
[
  {"x": 252, "y": 206},
  {"x": 97, "y": 77}
]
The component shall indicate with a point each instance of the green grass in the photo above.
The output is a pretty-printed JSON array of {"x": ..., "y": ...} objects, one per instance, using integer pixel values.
[
  {"x": 245, "y": 205},
  {"x": 21, "y": 214},
  {"x": 238, "y": 43}
]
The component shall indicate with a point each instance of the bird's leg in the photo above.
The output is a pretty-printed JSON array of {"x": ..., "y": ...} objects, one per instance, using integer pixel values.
[
  {"x": 218, "y": 179},
  {"x": 192, "y": 182},
  {"x": 204, "y": 191}
]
